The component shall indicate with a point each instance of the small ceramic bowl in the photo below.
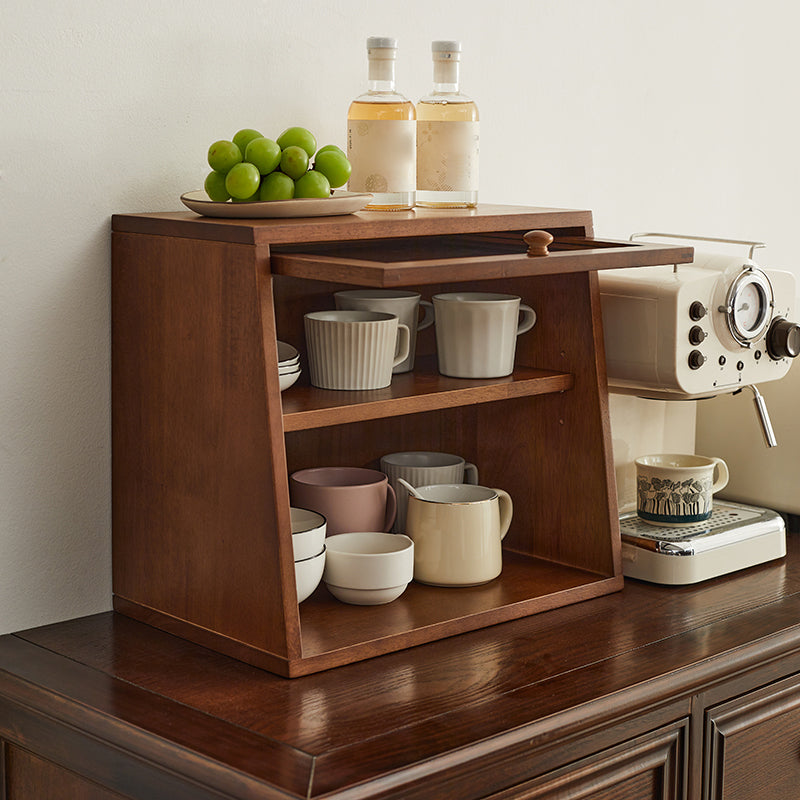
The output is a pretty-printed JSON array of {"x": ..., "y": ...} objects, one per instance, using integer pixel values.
[
  {"x": 366, "y": 568},
  {"x": 308, "y": 533},
  {"x": 287, "y": 353},
  {"x": 307, "y": 574},
  {"x": 288, "y": 379}
]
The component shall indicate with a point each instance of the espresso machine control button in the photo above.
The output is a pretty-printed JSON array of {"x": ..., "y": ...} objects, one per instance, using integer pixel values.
[
  {"x": 783, "y": 339},
  {"x": 696, "y": 335},
  {"x": 696, "y": 359},
  {"x": 697, "y": 310}
]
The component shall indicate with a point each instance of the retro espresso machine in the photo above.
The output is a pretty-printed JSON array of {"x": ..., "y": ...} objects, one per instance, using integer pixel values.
[{"x": 720, "y": 325}]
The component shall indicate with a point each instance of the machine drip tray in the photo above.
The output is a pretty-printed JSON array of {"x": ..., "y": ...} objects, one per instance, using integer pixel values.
[{"x": 735, "y": 537}]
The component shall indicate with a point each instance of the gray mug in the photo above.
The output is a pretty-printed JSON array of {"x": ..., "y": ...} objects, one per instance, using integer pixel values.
[{"x": 423, "y": 468}]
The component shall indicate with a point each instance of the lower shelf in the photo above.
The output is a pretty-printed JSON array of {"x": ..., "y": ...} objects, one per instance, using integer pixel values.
[{"x": 335, "y": 633}]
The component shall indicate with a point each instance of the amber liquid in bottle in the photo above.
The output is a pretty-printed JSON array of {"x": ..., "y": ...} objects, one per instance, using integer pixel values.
[
  {"x": 447, "y": 137},
  {"x": 381, "y": 135}
]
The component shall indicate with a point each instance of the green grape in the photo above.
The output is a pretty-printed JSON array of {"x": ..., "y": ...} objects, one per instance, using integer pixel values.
[
  {"x": 298, "y": 137},
  {"x": 294, "y": 161},
  {"x": 276, "y": 186},
  {"x": 334, "y": 166},
  {"x": 243, "y": 137},
  {"x": 264, "y": 153},
  {"x": 222, "y": 155},
  {"x": 215, "y": 187},
  {"x": 331, "y": 147},
  {"x": 312, "y": 184},
  {"x": 242, "y": 181}
]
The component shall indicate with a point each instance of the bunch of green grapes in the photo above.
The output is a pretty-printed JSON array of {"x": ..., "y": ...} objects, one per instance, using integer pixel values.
[{"x": 252, "y": 167}]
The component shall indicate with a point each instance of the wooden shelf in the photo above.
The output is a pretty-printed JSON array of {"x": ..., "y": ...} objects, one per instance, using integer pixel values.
[
  {"x": 334, "y": 632},
  {"x": 444, "y": 259},
  {"x": 422, "y": 390}
]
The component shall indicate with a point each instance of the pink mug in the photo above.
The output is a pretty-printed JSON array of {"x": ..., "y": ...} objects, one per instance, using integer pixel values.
[{"x": 350, "y": 498}]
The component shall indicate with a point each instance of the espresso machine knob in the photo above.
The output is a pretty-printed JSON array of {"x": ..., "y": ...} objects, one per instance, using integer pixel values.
[
  {"x": 783, "y": 339},
  {"x": 696, "y": 359}
]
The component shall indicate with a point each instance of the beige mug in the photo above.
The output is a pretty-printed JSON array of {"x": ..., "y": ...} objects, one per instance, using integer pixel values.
[
  {"x": 457, "y": 530},
  {"x": 404, "y": 304},
  {"x": 354, "y": 350},
  {"x": 476, "y": 332},
  {"x": 350, "y": 498},
  {"x": 677, "y": 489}
]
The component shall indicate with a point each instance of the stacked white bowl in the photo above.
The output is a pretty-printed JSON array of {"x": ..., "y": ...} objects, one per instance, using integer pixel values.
[
  {"x": 308, "y": 542},
  {"x": 288, "y": 365}
]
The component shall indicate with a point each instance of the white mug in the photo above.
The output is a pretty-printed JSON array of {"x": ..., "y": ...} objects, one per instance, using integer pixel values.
[
  {"x": 476, "y": 332},
  {"x": 457, "y": 531},
  {"x": 423, "y": 468},
  {"x": 405, "y": 305},
  {"x": 354, "y": 349},
  {"x": 677, "y": 489}
]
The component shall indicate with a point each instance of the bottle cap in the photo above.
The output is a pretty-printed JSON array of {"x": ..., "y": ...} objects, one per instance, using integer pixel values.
[
  {"x": 446, "y": 50},
  {"x": 381, "y": 43},
  {"x": 448, "y": 46}
]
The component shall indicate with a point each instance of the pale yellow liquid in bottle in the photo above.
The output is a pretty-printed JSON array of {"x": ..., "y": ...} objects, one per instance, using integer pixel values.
[
  {"x": 429, "y": 110},
  {"x": 400, "y": 110}
]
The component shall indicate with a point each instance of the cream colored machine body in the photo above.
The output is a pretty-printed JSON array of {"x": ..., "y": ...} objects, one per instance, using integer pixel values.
[{"x": 691, "y": 332}]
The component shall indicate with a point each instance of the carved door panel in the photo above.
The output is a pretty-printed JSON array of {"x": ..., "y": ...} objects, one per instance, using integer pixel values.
[
  {"x": 752, "y": 745},
  {"x": 650, "y": 767}
]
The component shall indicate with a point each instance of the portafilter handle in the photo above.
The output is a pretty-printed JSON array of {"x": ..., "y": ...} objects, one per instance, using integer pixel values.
[{"x": 763, "y": 418}]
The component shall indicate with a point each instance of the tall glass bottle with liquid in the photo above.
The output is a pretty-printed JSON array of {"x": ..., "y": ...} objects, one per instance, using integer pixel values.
[
  {"x": 447, "y": 136},
  {"x": 381, "y": 134}
]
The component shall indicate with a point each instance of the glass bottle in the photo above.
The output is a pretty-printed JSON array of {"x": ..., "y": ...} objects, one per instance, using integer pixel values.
[
  {"x": 381, "y": 134},
  {"x": 447, "y": 136}
]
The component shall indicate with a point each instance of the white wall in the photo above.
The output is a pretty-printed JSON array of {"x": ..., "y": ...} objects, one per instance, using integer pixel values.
[{"x": 676, "y": 115}]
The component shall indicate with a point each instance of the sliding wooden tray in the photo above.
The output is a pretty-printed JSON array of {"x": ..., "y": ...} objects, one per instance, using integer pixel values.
[{"x": 203, "y": 440}]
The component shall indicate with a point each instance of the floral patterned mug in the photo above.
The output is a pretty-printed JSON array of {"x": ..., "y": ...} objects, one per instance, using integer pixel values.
[{"x": 676, "y": 489}]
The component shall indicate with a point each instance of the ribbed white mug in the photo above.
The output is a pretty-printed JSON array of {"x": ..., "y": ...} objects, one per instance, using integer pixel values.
[
  {"x": 354, "y": 350},
  {"x": 405, "y": 304}
]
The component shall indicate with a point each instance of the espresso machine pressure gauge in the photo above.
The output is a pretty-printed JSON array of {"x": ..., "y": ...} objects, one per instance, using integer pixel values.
[{"x": 748, "y": 308}]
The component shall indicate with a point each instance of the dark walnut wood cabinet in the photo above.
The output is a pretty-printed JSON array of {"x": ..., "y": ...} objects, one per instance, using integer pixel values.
[
  {"x": 650, "y": 692},
  {"x": 203, "y": 441}
]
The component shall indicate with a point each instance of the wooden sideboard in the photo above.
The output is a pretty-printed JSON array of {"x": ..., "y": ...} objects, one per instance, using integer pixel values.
[{"x": 651, "y": 692}]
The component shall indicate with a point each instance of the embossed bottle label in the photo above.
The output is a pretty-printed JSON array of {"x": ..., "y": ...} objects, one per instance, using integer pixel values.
[
  {"x": 447, "y": 156},
  {"x": 382, "y": 154}
]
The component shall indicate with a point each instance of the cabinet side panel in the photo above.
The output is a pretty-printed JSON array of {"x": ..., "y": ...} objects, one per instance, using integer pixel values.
[{"x": 196, "y": 510}]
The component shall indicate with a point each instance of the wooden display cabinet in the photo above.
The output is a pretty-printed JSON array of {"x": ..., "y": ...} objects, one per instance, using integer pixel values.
[{"x": 203, "y": 440}]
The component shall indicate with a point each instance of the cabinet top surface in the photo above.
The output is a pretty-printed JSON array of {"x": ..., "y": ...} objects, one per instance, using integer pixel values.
[
  {"x": 361, "y": 225},
  {"x": 533, "y": 677}
]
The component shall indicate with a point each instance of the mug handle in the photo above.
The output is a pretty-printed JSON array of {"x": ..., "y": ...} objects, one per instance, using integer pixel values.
[
  {"x": 506, "y": 511},
  {"x": 722, "y": 474},
  {"x": 471, "y": 474},
  {"x": 528, "y": 319},
  {"x": 427, "y": 317},
  {"x": 403, "y": 343},
  {"x": 391, "y": 506}
]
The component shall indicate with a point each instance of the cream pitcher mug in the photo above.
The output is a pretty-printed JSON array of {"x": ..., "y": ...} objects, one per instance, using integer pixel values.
[{"x": 457, "y": 530}]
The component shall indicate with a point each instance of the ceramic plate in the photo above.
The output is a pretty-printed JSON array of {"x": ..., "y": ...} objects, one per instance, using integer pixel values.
[{"x": 340, "y": 202}]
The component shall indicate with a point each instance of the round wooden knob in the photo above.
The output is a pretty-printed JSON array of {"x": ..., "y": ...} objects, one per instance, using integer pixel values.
[{"x": 538, "y": 242}]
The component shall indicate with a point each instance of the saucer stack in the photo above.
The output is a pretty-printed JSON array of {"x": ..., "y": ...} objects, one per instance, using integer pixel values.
[{"x": 288, "y": 365}]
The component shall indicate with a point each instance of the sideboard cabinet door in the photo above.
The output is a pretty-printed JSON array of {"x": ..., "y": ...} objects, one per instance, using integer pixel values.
[
  {"x": 752, "y": 744},
  {"x": 650, "y": 767}
]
